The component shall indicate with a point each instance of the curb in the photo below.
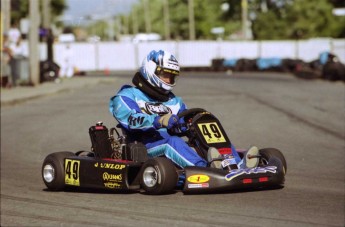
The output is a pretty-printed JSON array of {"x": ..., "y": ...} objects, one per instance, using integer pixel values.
[{"x": 23, "y": 94}]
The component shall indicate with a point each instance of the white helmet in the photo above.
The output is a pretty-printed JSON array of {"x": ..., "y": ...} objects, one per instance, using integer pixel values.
[{"x": 159, "y": 64}]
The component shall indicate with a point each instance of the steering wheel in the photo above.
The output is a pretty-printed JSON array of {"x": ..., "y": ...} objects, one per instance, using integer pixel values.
[
  {"x": 187, "y": 114},
  {"x": 190, "y": 113}
]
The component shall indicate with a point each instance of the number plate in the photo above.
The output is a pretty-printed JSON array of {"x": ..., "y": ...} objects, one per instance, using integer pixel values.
[
  {"x": 211, "y": 132},
  {"x": 72, "y": 172}
]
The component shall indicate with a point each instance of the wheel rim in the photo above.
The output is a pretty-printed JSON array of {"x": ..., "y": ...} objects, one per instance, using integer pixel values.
[
  {"x": 264, "y": 161},
  {"x": 48, "y": 173},
  {"x": 150, "y": 176}
]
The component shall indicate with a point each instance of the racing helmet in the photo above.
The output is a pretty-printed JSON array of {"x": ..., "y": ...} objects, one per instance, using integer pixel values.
[{"x": 159, "y": 69}]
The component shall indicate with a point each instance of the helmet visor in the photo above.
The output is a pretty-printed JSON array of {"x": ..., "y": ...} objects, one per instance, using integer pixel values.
[{"x": 167, "y": 75}]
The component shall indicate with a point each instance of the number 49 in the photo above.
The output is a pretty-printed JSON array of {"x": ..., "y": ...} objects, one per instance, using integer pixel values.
[{"x": 72, "y": 169}]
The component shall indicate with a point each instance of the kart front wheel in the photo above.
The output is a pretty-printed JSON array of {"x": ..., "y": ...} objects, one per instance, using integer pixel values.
[
  {"x": 158, "y": 176},
  {"x": 53, "y": 170},
  {"x": 269, "y": 153}
]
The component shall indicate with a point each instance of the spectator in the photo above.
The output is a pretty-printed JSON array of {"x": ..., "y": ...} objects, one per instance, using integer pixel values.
[
  {"x": 13, "y": 33},
  {"x": 67, "y": 65},
  {"x": 17, "y": 53},
  {"x": 6, "y": 56},
  {"x": 17, "y": 48}
]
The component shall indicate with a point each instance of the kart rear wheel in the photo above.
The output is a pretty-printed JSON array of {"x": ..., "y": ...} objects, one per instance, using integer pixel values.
[
  {"x": 53, "y": 170},
  {"x": 268, "y": 153},
  {"x": 158, "y": 176}
]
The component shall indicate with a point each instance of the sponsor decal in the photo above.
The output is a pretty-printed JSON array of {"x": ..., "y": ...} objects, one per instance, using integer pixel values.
[
  {"x": 72, "y": 172},
  {"x": 112, "y": 185},
  {"x": 237, "y": 172},
  {"x": 135, "y": 120},
  {"x": 110, "y": 166},
  {"x": 157, "y": 108},
  {"x": 170, "y": 71},
  {"x": 228, "y": 162},
  {"x": 203, "y": 185},
  {"x": 112, "y": 177},
  {"x": 198, "y": 178}
]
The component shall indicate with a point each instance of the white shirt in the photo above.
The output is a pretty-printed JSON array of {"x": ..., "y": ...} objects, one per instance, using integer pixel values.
[{"x": 13, "y": 35}]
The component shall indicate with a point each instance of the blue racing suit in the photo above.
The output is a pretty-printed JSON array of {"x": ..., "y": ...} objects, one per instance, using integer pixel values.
[{"x": 136, "y": 112}]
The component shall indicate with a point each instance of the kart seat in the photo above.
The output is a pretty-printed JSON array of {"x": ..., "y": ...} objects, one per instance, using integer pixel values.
[
  {"x": 101, "y": 145},
  {"x": 135, "y": 151}
]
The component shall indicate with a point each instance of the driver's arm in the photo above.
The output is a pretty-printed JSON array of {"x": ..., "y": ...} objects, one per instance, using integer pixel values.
[{"x": 129, "y": 115}]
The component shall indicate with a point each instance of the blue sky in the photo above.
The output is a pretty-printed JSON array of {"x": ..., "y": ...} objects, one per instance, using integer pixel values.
[{"x": 78, "y": 9}]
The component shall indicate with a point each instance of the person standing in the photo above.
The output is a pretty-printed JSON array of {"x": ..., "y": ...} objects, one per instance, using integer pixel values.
[{"x": 67, "y": 65}]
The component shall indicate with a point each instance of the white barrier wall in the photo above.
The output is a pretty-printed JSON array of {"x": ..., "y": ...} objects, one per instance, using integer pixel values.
[
  {"x": 285, "y": 49},
  {"x": 338, "y": 47},
  {"x": 239, "y": 49},
  {"x": 128, "y": 56}
]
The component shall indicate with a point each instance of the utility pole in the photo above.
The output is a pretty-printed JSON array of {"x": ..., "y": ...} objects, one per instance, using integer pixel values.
[
  {"x": 33, "y": 42},
  {"x": 49, "y": 37},
  {"x": 147, "y": 17},
  {"x": 110, "y": 30},
  {"x": 135, "y": 20},
  {"x": 5, "y": 15},
  {"x": 126, "y": 25},
  {"x": 191, "y": 20},
  {"x": 46, "y": 14},
  {"x": 166, "y": 19},
  {"x": 244, "y": 4},
  {"x": 5, "y": 25}
]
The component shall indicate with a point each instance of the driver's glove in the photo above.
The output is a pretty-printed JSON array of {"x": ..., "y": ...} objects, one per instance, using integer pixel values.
[
  {"x": 183, "y": 125},
  {"x": 167, "y": 121}
]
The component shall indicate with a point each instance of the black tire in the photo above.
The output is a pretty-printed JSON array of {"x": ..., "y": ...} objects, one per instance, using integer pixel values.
[
  {"x": 268, "y": 153},
  {"x": 53, "y": 170},
  {"x": 158, "y": 176},
  {"x": 85, "y": 154}
]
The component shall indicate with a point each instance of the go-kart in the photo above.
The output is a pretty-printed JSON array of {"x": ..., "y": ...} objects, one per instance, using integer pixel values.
[{"x": 117, "y": 163}]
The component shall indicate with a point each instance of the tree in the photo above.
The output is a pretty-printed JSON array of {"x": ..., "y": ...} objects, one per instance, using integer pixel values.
[
  {"x": 207, "y": 14},
  {"x": 20, "y": 8},
  {"x": 298, "y": 19},
  {"x": 271, "y": 19}
]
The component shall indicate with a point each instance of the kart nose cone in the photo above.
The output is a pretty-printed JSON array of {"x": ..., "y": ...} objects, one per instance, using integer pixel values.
[{"x": 48, "y": 173}]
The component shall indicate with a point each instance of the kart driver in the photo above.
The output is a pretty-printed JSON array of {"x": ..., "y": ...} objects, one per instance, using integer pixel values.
[{"x": 147, "y": 110}]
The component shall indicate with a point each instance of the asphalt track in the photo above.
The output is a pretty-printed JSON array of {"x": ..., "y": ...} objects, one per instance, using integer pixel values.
[{"x": 304, "y": 119}]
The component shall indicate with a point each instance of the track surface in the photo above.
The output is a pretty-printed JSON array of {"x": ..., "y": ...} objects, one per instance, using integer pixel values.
[{"x": 304, "y": 119}]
